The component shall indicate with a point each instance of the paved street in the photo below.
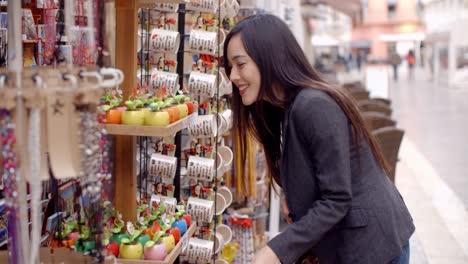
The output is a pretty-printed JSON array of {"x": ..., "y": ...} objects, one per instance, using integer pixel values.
[{"x": 432, "y": 174}]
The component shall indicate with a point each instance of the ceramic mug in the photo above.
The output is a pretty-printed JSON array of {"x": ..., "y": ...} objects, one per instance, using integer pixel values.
[
  {"x": 232, "y": 8},
  {"x": 227, "y": 116},
  {"x": 162, "y": 166},
  {"x": 167, "y": 80},
  {"x": 220, "y": 204},
  {"x": 227, "y": 157},
  {"x": 200, "y": 209},
  {"x": 165, "y": 7},
  {"x": 227, "y": 194},
  {"x": 202, "y": 84},
  {"x": 164, "y": 41},
  {"x": 200, "y": 250},
  {"x": 225, "y": 85},
  {"x": 225, "y": 231},
  {"x": 218, "y": 242},
  {"x": 200, "y": 168},
  {"x": 209, "y": 6},
  {"x": 203, "y": 127},
  {"x": 206, "y": 42}
]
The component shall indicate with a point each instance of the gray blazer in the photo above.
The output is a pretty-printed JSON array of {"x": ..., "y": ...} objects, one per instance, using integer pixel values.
[{"x": 341, "y": 212}]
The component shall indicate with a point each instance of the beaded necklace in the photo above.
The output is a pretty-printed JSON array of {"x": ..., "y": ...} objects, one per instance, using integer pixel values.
[{"x": 9, "y": 178}]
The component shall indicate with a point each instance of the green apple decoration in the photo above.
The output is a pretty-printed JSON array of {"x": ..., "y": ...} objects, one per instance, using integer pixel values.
[{"x": 157, "y": 117}]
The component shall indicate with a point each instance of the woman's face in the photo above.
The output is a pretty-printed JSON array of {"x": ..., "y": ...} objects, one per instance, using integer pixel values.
[{"x": 244, "y": 71}]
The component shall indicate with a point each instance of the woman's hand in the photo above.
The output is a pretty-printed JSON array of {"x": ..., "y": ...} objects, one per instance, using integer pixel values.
[{"x": 265, "y": 255}]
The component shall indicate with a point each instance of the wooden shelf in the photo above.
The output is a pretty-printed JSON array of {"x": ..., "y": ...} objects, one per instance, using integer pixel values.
[
  {"x": 149, "y": 131},
  {"x": 151, "y": 3},
  {"x": 172, "y": 256},
  {"x": 33, "y": 41}
]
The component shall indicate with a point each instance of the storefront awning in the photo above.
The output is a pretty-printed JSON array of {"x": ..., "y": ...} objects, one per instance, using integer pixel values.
[{"x": 418, "y": 36}]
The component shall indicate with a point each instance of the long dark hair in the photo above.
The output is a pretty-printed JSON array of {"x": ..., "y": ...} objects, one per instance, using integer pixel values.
[{"x": 283, "y": 64}]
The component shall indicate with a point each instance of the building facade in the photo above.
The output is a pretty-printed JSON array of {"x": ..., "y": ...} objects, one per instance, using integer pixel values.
[
  {"x": 386, "y": 26},
  {"x": 446, "y": 45}
]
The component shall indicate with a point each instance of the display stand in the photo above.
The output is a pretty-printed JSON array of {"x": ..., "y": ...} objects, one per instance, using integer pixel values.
[
  {"x": 125, "y": 146},
  {"x": 126, "y": 60}
]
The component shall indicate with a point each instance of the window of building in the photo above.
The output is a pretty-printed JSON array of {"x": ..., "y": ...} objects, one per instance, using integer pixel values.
[{"x": 391, "y": 8}]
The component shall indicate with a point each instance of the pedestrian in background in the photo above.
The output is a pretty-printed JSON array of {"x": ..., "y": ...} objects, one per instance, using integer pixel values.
[
  {"x": 343, "y": 207},
  {"x": 411, "y": 59},
  {"x": 395, "y": 61}
]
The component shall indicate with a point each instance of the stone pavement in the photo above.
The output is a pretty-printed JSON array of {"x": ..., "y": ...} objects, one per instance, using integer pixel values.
[{"x": 432, "y": 174}]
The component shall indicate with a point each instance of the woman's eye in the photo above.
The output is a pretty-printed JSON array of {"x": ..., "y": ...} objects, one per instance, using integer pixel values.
[{"x": 240, "y": 65}]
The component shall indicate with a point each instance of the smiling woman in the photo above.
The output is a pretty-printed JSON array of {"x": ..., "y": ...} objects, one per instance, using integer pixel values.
[
  {"x": 333, "y": 174},
  {"x": 244, "y": 71}
]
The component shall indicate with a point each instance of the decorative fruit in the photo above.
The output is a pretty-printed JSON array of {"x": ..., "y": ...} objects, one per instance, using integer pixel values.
[
  {"x": 157, "y": 118},
  {"x": 156, "y": 227},
  {"x": 132, "y": 250},
  {"x": 113, "y": 248},
  {"x": 74, "y": 235},
  {"x": 183, "y": 108},
  {"x": 135, "y": 118},
  {"x": 89, "y": 245},
  {"x": 169, "y": 241},
  {"x": 118, "y": 237},
  {"x": 176, "y": 233},
  {"x": 181, "y": 224},
  {"x": 188, "y": 219},
  {"x": 142, "y": 239},
  {"x": 156, "y": 252},
  {"x": 189, "y": 104},
  {"x": 114, "y": 116},
  {"x": 174, "y": 112}
]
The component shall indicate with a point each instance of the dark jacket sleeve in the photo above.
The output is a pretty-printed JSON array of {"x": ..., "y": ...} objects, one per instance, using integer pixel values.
[{"x": 323, "y": 126}]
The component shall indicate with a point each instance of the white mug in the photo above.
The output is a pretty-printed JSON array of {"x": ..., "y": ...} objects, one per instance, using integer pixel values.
[
  {"x": 208, "y": 6},
  {"x": 202, "y": 84},
  {"x": 162, "y": 166},
  {"x": 170, "y": 203},
  {"x": 167, "y": 80},
  {"x": 232, "y": 8},
  {"x": 227, "y": 194},
  {"x": 165, "y": 7},
  {"x": 227, "y": 156},
  {"x": 227, "y": 116},
  {"x": 220, "y": 204},
  {"x": 203, "y": 127},
  {"x": 206, "y": 42},
  {"x": 218, "y": 242},
  {"x": 200, "y": 168},
  {"x": 162, "y": 40},
  {"x": 200, "y": 209},
  {"x": 225, "y": 231},
  {"x": 225, "y": 85},
  {"x": 200, "y": 250}
]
